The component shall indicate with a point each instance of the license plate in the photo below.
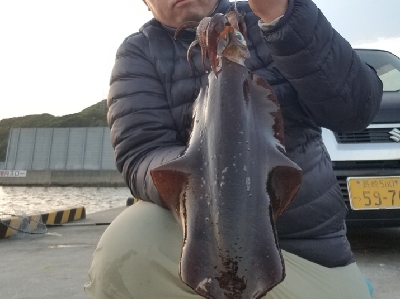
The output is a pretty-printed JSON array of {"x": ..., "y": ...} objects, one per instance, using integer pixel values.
[{"x": 369, "y": 193}]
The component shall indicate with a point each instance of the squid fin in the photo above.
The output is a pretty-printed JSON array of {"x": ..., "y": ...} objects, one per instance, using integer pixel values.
[
  {"x": 282, "y": 185},
  {"x": 170, "y": 184}
]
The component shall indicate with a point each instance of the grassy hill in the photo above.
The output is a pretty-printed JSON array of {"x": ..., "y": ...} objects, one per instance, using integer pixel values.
[{"x": 93, "y": 116}]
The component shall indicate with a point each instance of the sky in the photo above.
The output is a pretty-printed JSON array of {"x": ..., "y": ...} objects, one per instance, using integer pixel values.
[{"x": 56, "y": 56}]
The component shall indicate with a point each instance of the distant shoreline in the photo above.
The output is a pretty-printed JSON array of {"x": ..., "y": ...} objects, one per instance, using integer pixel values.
[{"x": 70, "y": 178}]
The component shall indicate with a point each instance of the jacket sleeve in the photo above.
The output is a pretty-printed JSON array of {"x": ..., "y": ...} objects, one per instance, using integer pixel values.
[
  {"x": 143, "y": 132},
  {"x": 336, "y": 89}
]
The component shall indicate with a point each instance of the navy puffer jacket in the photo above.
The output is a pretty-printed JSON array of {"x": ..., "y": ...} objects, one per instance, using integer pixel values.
[{"x": 319, "y": 82}]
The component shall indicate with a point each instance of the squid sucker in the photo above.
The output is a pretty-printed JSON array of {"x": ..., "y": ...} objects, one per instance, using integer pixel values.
[{"x": 233, "y": 180}]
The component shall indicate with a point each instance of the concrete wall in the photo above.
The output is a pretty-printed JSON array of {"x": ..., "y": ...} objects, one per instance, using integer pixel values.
[
  {"x": 76, "y": 178},
  {"x": 60, "y": 149}
]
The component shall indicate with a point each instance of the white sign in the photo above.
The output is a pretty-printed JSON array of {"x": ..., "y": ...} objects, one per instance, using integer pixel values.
[{"x": 13, "y": 173}]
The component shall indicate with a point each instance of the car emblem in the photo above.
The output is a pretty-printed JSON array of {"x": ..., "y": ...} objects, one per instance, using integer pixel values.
[{"x": 395, "y": 135}]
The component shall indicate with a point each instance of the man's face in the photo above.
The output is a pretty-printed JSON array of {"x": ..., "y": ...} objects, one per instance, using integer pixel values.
[{"x": 172, "y": 13}]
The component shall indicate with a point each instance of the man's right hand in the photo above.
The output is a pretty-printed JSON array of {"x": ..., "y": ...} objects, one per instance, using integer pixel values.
[{"x": 269, "y": 10}]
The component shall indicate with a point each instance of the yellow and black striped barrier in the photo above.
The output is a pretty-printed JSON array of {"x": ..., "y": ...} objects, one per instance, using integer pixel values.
[
  {"x": 15, "y": 224},
  {"x": 64, "y": 216}
]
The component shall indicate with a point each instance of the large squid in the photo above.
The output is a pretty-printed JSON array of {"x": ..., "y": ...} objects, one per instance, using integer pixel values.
[{"x": 233, "y": 180}]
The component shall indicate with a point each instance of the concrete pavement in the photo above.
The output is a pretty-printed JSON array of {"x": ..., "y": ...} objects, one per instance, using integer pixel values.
[
  {"x": 55, "y": 265},
  {"x": 378, "y": 255}
]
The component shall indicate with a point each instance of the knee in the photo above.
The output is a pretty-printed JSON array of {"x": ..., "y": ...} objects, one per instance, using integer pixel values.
[
  {"x": 142, "y": 239},
  {"x": 139, "y": 229}
]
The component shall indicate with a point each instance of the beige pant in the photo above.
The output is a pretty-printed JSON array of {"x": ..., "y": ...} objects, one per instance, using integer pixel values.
[{"x": 138, "y": 256}]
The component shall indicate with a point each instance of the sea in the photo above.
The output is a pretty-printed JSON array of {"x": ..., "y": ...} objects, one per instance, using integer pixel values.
[{"x": 27, "y": 200}]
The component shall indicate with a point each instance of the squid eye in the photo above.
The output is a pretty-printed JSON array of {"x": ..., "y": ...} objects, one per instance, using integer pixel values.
[{"x": 239, "y": 36}]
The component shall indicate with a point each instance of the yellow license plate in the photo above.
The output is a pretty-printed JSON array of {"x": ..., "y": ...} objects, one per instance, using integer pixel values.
[{"x": 368, "y": 193}]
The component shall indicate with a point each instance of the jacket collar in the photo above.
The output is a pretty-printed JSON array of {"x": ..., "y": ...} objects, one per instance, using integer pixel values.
[
  {"x": 222, "y": 7},
  {"x": 190, "y": 33}
]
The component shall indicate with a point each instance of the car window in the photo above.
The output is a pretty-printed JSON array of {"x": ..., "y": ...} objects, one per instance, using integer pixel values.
[{"x": 386, "y": 65}]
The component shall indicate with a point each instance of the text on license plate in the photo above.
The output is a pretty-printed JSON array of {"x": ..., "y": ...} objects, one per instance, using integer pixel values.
[{"x": 374, "y": 192}]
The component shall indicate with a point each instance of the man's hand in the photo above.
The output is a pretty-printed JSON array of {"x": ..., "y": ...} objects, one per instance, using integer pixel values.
[{"x": 269, "y": 10}]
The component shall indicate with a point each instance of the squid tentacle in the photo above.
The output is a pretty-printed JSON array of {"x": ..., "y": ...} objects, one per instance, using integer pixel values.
[{"x": 188, "y": 24}]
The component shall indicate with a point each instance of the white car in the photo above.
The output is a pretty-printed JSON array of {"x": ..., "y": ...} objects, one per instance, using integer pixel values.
[{"x": 367, "y": 163}]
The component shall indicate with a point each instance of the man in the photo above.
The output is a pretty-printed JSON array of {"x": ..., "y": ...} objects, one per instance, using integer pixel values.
[{"x": 319, "y": 82}]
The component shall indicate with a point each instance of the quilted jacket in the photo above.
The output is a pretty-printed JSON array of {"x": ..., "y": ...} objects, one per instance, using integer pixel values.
[{"x": 318, "y": 79}]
